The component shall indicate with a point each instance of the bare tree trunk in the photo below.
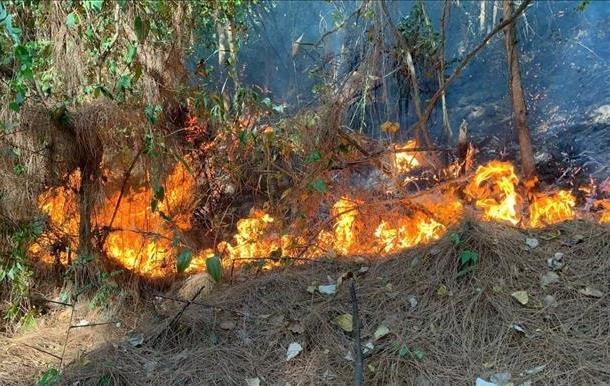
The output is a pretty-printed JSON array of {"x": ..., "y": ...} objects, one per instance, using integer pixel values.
[
  {"x": 447, "y": 132},
  {"x": 519, "y": 108}
]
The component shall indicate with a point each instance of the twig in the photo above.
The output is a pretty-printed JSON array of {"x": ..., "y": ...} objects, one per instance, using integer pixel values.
[
  {"x": 93, "y": 324},
  {"x": 42, "y": 351},
  {"x": 358, "y": 361},
  {"x": 186, "y": 305},
  {"x": 63, "y": 350},
  {"x": 205, "y": 305},
  {"x": 121, "y": 193}
]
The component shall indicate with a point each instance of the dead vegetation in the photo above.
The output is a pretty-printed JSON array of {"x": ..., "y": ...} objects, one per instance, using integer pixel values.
[{"x": 443, "y": 329}]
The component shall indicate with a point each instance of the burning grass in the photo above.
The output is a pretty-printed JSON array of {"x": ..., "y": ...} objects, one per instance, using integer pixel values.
[
  {"x": 146, "y": 240},
  {"x": 461, "y": 327}
]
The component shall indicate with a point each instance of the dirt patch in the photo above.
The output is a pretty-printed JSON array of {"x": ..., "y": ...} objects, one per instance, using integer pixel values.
[{"x": 443, "y": 328}]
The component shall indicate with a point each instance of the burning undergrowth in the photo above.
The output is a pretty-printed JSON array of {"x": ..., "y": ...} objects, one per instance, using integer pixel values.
[{"x": 144, "y": 230}]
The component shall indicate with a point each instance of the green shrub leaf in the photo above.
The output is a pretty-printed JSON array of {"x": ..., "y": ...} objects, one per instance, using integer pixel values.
[
  {"x": 184, "y": 260},
  {"x": 214, "y": 267}
]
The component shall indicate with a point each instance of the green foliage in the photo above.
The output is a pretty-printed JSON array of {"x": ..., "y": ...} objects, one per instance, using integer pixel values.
[
  {"x": 108, "y": 288},
  {"x": 184, "y": 260},
  {"x": 15, "y": 272},
  {"x": 50, "y": 377},
  {"x": 418, "y": 32},
  {"x": 214, "y": 267},
  {"x": 467, "y": 257},
  {"x": 319, "y": 185},
  {"x": 152, "y": 113}
]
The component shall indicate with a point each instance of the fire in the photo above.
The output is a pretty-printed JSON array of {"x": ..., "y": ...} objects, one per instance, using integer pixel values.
[
  {"x": 408, "y": 232},
  {"x": 404, "y": 160},
  {"x": 494, "y": 189},
  {"x": 254, "y": 237},
  {"x": 345, "y": 212},
  {"x": 147, "y": 241},
  {"x": 141, "y": 240},
  {"x": 548, "y": 209}
]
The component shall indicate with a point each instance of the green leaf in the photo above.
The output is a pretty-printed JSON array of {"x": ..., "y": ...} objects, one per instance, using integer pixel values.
[
  {"x": 93, "y": 5},
  {"x": 71, "y": 20},
  {"x": 404, "y": 352},
  {"x": 468, "y": 256},
  {"x": 419, "y": 354},
  {"x": 152, "y": 113},
  {"x": 131, "y": 54},
  {"x": 159, "y": 192},
  {"x": 314, "y": 156},
  {"x": 214, "y": 267},
  {"x": 454, "y": 237},
  {"x": 141, "y": 28},
  {"x": 319, "y": 185},
  {"x": 49, "y": 377},
  {"x": 124, "y": 82},
  {"x": 184, "y": 260}
]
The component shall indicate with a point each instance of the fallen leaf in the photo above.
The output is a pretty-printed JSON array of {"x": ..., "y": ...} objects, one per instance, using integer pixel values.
[
  {"x": 412, "y": 301},
  {"x": 294, "y": 349},
  {"x": 482, "y": 382},
  {"x": 549, "y": 278},
  {"x": 521, "y": 296},
  {"x": 345, "y": 322},
  {"x": 253, "y": 381},
  {"x": 501, "y": 378},
  {"x": 371, "y": 368},
  {"x": 227, "y": 324},
  {"x": 442, "y": 291},
  {"x": 296, "y": 327},
  {"x": 311, "y": 289},
  {"x": 329, "y": 289},
  {"x": 532, "y": 242},
  {"x": 367, "y": 348},
  {"x": 592, "y": 292},
  {"x": 556, "y": 262},
  {"x": 488, "y": 365},
  {"x": 535, "y": 370},
  {"x": 390, "y": 127},
  {"x": 363, "y": 270},
  {"x": 519, "y": 328},
  {"x": 549, "y": 301},
  {"x": 136, "y": 340},
  {"x": 381, "y": 332}
]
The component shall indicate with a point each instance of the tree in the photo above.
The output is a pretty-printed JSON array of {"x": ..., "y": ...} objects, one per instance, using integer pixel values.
[{"x": 519, "y": 107}]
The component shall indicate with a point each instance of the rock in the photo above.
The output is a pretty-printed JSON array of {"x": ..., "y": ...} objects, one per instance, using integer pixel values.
[{"x": 188, "y": 288}]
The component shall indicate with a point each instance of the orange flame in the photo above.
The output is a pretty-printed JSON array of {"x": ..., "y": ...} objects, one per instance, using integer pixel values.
[
  {"x": 548, "y": 209},
  {"x": 403, "y": 159},
  {"x": 494, "y": 189}
]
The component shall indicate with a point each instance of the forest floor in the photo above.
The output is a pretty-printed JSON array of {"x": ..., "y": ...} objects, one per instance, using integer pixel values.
[{"x": 523, "y": 314}]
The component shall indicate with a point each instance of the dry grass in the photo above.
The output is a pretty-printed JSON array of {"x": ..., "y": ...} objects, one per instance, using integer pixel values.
[{"x": 464, "y": 333}]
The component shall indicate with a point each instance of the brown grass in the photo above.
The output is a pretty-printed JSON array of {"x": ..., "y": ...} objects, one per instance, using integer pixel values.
[{"x": 463, "y": 334}]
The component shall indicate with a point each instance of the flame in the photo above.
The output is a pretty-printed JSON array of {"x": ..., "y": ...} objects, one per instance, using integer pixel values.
[
  {"x": 408, "y": 232},
  {"x": 345, "y": 212},
  {"x": 147, "y": 242},
  {"x": 548, "y": 209},
  {"x": 141, "y": 240},
  {"x": 494, "y": 189},
  {"x": 405, "y": 160}
]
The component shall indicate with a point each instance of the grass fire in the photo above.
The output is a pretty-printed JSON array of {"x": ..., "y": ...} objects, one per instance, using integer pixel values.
[{"x": 323, "y": 193}]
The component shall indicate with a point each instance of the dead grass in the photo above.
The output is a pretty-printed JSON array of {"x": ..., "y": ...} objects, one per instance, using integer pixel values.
[{"x": 464, "y": 327}]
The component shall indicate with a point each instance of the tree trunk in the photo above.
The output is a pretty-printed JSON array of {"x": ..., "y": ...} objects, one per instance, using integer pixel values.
[{"x": 519, "y": 108}]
